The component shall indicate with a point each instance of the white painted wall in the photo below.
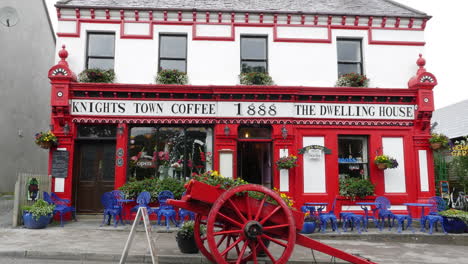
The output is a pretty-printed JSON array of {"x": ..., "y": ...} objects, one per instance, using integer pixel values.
[
  {"x": 423, "y": 171},
  {"x": 314, "y": 169},
  {"x": 218, "y": 62},
  {"x": 284, "y": 173},
  {"x": 395, "y": 179},
  {"x": 226, "y": 164}
]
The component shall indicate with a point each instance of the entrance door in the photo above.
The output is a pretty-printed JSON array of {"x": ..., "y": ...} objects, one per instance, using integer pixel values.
[
  {"x": 254, "y": 162},
  {"x": 95, "y": 166}
]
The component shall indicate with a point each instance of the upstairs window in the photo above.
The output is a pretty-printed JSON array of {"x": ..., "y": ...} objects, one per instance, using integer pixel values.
[
  {"x": 349, "y": 56},
  {"x": 254, "y": 54},
  {"x": 173, "y": 52},
  {"x": 100, "y": 51}
]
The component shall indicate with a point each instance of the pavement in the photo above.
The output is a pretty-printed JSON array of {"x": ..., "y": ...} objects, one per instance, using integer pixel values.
[{"x": 85, "y": 241}]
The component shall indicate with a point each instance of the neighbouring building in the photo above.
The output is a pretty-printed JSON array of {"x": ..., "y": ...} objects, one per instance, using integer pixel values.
[
  {"x": 136, "y": 128},
  {"x": 27, "y": 51}
]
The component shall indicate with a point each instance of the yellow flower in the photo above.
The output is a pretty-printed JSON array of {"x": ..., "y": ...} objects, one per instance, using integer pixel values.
[{"x": 215, "y": 174}]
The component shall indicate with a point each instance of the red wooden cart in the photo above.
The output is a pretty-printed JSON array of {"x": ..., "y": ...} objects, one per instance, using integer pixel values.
[{"x": 240, "y": 227}]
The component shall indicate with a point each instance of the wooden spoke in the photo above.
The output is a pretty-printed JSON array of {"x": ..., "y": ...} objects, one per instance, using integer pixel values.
[
  {"x": 262, "y": 245},
  {"x": 270, "y": 214},
  {"x": 221, "y": 240},
  {"x": 236, "y": 209},
  {"x": 241, "y": 253},
  {"x": 275, "y": 226},
  {"x": 236, "y": 231},
  {"x": 274, "y": 240},
  {"x": 257, "y": 216},
  {"x": 230, "y": 219},
  {"x": 224, "y": 253}
]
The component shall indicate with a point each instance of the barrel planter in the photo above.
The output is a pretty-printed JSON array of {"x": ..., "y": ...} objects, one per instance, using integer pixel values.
[
  {"x": 32, "y": 223},
  {"x": 454, "y": 225}
]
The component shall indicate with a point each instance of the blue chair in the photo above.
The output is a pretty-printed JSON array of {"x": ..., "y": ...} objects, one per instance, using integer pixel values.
[
  {"x": 183, "y": 213},
  {"x": 433, "y": 217},
  {"x": 383, "y": 204},
  {"x": 166, "y": 210},
  {"x": 355, "y": 220},
  {"x": 111, "y": 208},
  {"x": 142, "y": 200},
  {"x": 61, "y": 206},
  {"x": 329, "y": 217}
]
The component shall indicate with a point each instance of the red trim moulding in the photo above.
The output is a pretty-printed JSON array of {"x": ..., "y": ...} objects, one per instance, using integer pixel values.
[{"x": 233, "y": 26}]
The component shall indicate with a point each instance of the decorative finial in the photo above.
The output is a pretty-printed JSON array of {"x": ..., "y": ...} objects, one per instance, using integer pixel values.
[
  {"x": 63, "y": 54},
  {"x": 421, "y": 61}
]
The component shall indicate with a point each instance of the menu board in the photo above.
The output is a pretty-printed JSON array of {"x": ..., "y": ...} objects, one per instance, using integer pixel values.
[{"x": 60, "y": 163}]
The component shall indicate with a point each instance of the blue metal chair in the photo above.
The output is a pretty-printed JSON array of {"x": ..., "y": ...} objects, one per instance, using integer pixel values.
[
  {"x": 383, "y": 204},
  {"x": 61, "y": 206},
  {"x": 166, "y": 210},
  {"x": 142, "y": 200},
  {"x": 111, "y": 209},
  {"x": 433, "y": 217},
  {"x": 355, "y": 220},
  {"x": 329, "y": 217},
  {"x": 183, "y": 213}
]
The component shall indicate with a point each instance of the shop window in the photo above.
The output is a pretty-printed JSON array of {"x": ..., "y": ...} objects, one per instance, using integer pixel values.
[
  {"x": 254, "y": 132},
  {"x": 349, "y": 56},
  {"x": 173, "y": 52},
  {"x": 254, "y": 54},
  {"x": 353, "y": 158},
  {"x": 97, "y": 131},
  {"x": 169, "y": 151},
  {"x": 100, "y": 51}
]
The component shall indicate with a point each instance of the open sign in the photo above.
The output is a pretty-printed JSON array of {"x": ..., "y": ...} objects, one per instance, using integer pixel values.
[{"x": 145, "y": 163}]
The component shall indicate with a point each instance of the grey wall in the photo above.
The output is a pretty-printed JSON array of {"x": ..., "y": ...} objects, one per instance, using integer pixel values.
[{"x": 26, "y": 54}]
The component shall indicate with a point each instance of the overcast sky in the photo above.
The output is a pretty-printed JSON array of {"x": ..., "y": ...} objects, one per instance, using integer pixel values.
[{"x": 445, "y": 53}]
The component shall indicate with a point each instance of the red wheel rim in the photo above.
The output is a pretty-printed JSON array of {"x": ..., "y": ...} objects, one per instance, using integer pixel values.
[
  {"x": 200, "y": 239},
  {"x": 249, "y": 224}
]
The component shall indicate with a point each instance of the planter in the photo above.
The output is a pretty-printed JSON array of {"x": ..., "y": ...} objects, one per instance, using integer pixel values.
[
  {"x": 31, "y": 223},
  {"x": 436, "y": 145},
  {"x": 187, "y": 245},
  {"x": 454, "y": 225},
  {"x": 308, "y": 227},
  {"x": 46, "y": 144},
  {"x": 382, "y": 166}
]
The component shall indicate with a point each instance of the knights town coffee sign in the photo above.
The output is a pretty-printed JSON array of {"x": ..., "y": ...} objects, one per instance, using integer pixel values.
[{"x": 240, "y": 109}]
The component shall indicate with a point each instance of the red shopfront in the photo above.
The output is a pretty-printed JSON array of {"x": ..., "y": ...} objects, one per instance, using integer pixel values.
[{"x": 116, "y": 131}]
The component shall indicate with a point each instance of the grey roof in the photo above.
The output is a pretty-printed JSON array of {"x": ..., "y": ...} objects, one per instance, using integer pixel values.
[
  {"x": 329, "y": 7},
  {"x": 452, "y": 120}
]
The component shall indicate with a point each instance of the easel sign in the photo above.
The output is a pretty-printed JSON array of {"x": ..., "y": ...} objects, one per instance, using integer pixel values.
[{"x": 444, "y": 189}]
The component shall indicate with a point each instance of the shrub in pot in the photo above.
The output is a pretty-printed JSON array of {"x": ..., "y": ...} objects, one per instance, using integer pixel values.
[
  {"x": 356, "y": 187},
  {"x": 455, "y": 221},
  {"x": 171, "y": 77},
  {"x": 310, "y": 223},
  {"x": 255, "y": 78},
  {"x": 96, "y": 76},
  {"x": 38, "y": 215},
  {"x": 185, "y": 238}
]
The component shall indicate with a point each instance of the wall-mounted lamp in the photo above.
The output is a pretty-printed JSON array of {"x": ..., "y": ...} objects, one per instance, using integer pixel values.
[
  {"x": 284, "y": 131},
  {"x": 120, "y": 130},
  {"x": 227, "y": 131},
  {"x": 66, "y": 129}
]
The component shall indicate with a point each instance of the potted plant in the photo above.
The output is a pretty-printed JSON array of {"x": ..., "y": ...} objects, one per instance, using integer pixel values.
[
  {"x": 46, "y": 140},
  {"x": 255, "y": 78},
  {"x": 310, "y": 223},
  {"x": 171, "y": 77},
  {"x": 352, "y": 80},
  {"x": 438, "y": 141},
  {"x": 38, "y": 215},
  {"x": 185, "y": 238},
  {"x": 385, "y": 162},
  {"x": 455, "y": 221},
  {"x": 356, "y": 187},
  {"x": 96, "y": 76},
  {"x": 287, "y": 162}
]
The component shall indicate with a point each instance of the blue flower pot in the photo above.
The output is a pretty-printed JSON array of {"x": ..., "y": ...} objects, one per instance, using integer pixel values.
[
  {"x": 31, "y": 223},
  {"x": 308, "y": 227},
  {"x": 454, "y": 225}
]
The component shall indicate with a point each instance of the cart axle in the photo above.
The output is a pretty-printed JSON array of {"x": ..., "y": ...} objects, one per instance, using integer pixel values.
[{"x": 253, "y": 229}]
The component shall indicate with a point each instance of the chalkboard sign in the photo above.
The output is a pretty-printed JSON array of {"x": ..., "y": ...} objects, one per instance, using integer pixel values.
[{"x": 60, "y": 164}]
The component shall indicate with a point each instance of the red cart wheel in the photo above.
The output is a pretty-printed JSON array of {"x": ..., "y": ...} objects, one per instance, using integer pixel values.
[
  {"x": 200, "y": 238},
  {"x": 249, "y": 224}
]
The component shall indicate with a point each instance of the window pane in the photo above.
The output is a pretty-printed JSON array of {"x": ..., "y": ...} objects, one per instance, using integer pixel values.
[
  {"x": 104, "y": 64},
  {"x": 349, "y": 50},
  {"x": 348, "y": 68},
  {"x": 353, "y": 156},
  {"x": 253, "y": 66},
  {"x": 172, "y": 65},
  {"x": 173, "y": 47},
  {"x": 253, "y": 48},
  {"x": 101, "y": 45}
]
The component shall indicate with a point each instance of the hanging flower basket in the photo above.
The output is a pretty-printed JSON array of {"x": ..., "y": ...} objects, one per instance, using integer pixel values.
[
  {"x": 436, "y": 145},
  {"x": 382, "y": 166},
  {"x": 385, "y": 162},
  {"x": 45, "y": 140},
  {"x": 438, "y": 141},
  {"x": 46, "y": 145}
]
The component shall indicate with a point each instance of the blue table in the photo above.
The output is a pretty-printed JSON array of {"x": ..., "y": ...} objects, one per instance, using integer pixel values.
[
  {"x": 422, "y": 205},
  {"x": 311, "y": 207},
  {"x": 364, "y": 207}
]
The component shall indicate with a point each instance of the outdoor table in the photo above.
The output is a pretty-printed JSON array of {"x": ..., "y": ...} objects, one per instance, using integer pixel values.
[
  {"x": 121, "y": 202},
  {"x": 364, "y": 207},
  {"x": 311, "y": 207},
  {"x": 422, "y": 205}
]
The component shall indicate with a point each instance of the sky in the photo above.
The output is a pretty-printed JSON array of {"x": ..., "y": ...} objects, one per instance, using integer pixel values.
[{"x": 445, "y": 50}]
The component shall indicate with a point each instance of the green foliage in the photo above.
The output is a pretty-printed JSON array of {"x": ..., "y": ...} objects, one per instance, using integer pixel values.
[
  {"x": 459, "y": 164},
  {"x": 215, "y": 179},
  {"x": 186, "y": 230},
  {"x": 171, "y": 184},
  {"x": 39, "y": 208},
  {"x": 352, "y": 80},
  {"x": 255, "y": 78},
  {"x": 439, "y": 138},
  {"x": 96, "y": 76},
  {"x": 462, "y": 215},
  {"x": 171, "y": 77},
  {"x": 355, "y": 187},
  {"x": 287, "y": 162},
  {"x": 45, "y": 137}
]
